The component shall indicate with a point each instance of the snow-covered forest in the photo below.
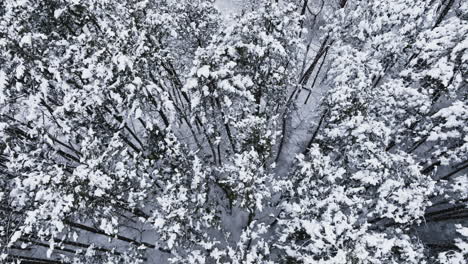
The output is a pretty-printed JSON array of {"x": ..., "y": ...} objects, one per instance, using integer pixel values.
[{"x": 262, "y": 131}]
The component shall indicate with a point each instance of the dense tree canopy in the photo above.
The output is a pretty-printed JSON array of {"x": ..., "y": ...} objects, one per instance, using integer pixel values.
[{"x": 300, "y": 131}]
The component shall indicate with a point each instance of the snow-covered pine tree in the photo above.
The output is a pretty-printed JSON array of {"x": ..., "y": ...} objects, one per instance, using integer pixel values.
[
  {"x": 391, "y": 143},
  {"x": 161, "y": 131}
]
